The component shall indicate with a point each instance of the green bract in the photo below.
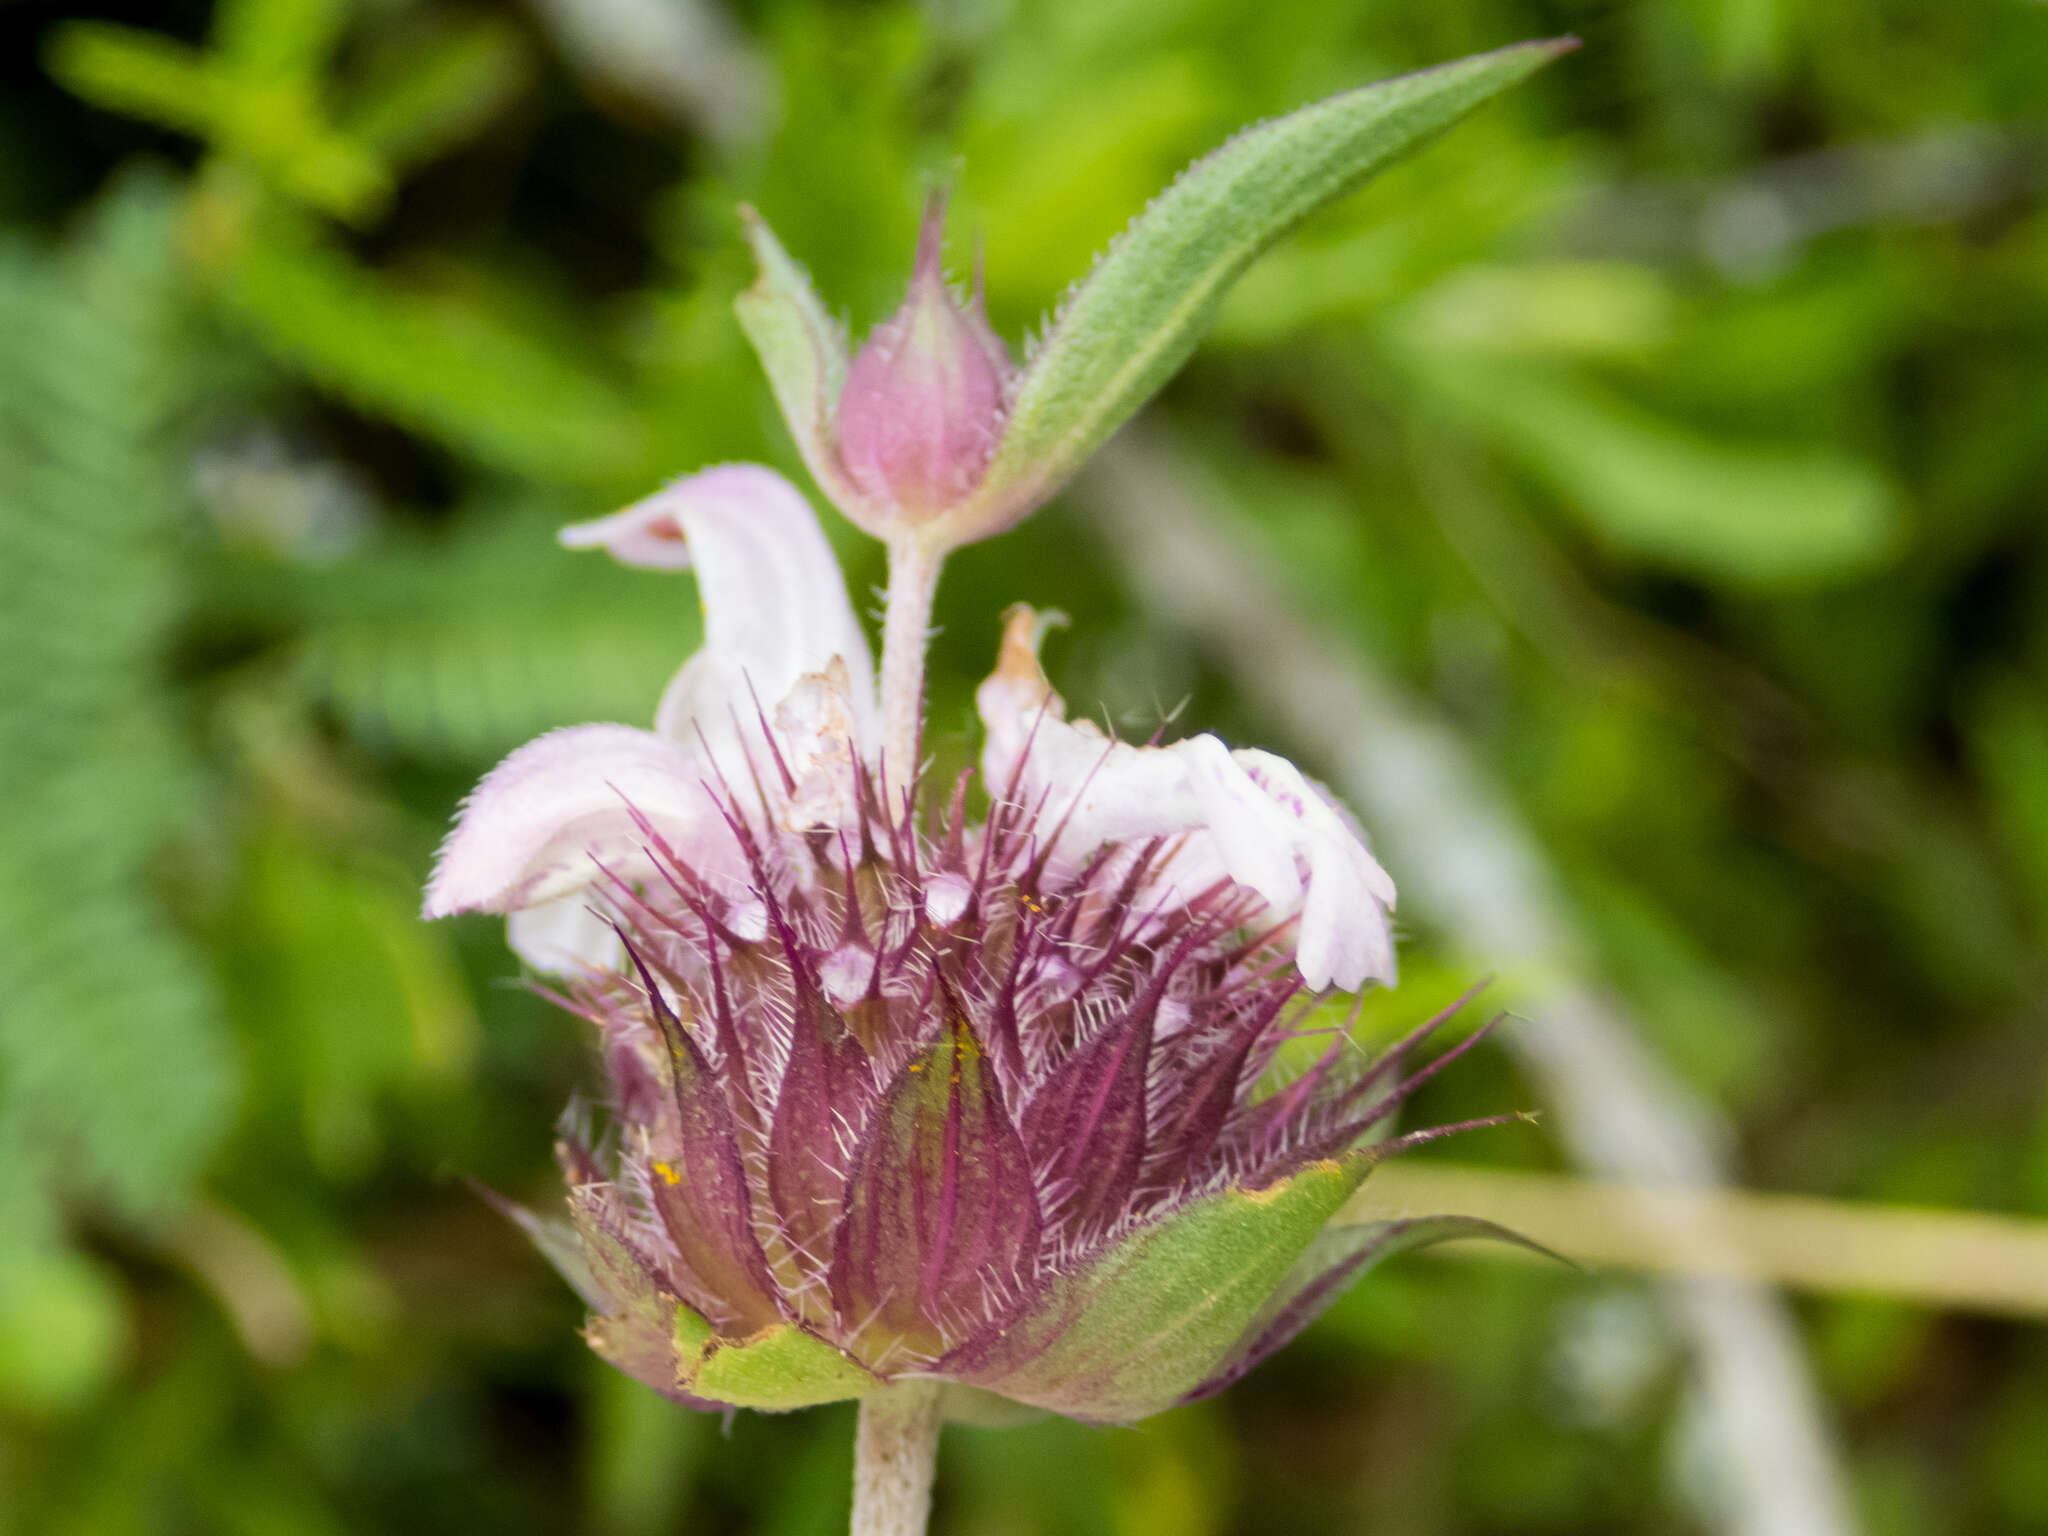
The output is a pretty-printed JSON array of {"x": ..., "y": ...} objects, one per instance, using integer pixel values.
[{"x": 1173, "y": 1312}]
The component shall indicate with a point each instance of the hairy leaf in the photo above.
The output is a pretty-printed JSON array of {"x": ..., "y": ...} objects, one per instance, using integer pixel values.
[{"x": 1134, "y": 320}]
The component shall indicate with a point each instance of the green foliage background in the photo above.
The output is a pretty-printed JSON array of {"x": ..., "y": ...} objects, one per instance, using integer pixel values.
[{"x": 1676, "y": 425}]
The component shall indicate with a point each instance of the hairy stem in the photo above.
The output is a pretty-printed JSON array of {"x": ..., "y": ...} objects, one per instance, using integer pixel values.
[
  {"x": 913, "y": 577},
  {"x": 893, "y": 1452}
]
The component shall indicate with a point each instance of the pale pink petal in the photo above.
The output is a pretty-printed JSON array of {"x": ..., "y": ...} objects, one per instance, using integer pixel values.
[
  {"x": 565, "y": 936},
  {"x": 648, "y": 534},
  {"x": 1250, "y": 831},
  {"x": 1247, "y": 817},
  {"x": 1015, "y": 698},
  {"x": 541, "y": 822},
  {"x": 1345, "y": 937},
  {"x": 775, "y": 604}
]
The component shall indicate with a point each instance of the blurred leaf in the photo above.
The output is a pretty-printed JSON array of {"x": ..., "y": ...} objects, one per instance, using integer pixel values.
[
  {"x": 1652, "y": 489},
  {"x": 267, "y": 40},
  {"x": 1556, "y": 309},
  {"x": 111, "y": 1043},
  {"x": 436, "y": 85},
  {"x": 2008, "y": 735},
  {"x": 1134, "y": 319},
  {"x": 459, "y": 653},
  {"x": 63, "y": 1330},
  {"x": 141, "y": 74},
  {"x": 430, "y": 360},
  {"x": 272, "y": 123},
  {"x": 340, "y": 984},
  {"x": 644, "y": 1455}
]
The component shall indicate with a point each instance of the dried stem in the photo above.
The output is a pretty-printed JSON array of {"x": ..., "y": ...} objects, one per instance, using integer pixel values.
[
  {"x": 906, "y": 626},
  {"x": 893, "y": 1452}
]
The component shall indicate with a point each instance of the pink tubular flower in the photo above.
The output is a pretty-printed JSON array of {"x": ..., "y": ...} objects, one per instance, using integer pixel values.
[{"x": 988, "y": 1102}]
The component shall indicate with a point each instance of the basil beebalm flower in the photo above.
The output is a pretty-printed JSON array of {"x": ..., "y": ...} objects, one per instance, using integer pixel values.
[{"x": 954, "y": 1113}]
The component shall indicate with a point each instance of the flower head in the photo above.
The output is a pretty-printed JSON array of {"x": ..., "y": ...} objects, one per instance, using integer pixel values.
[{"x": 991, "y": 1099}]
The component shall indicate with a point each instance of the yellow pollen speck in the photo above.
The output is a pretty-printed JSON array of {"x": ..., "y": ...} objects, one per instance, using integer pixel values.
[{"x": 668, "y": 1173}]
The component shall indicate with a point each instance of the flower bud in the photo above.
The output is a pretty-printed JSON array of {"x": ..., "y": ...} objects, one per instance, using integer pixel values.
[{"x": 924, "y": 398}]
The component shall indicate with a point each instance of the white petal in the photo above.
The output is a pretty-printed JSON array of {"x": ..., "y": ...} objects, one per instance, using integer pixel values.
[
  {"x": 565, "y": 936},
  {"x": 1248, "y": 817},
  {"x": 1345, "y": 937},
  {"x": 540, "y": 823},
  {"x": 1254, "y": 837},
  {"x": 1015, "y": 698},
  {"x": 775, "y": 604}
]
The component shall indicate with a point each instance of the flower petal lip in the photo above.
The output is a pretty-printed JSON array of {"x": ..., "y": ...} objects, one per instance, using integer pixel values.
[
  {"x": 1247, "y": 816},
  {"x": 775, "y": 603},
  {"x": 542, "y": 822},
  {"x": 777, "y": 624}
]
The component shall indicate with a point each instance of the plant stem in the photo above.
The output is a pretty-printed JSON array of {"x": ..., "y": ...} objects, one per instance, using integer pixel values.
[
  {"x": 893, "y": 1451},
  {"x": 906, "y": 625}
]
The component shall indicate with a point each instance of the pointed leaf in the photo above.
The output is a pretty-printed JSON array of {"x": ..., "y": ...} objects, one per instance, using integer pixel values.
[
  {"x": 1138, "y": 315},
  {"x": 941, "y": 1219},
  {"x": 137, "y": 73},
  {"x": 1338, "y": 1256},
  {"x": 438, "y": 89},
  {"x": 1153, "y": 1318},
  {"x": 636, "y": 1323},
  {"x": 778, "y": 1368},
  {"x": 559, "y": 1243},
  {"x": 803, "y": 350}
]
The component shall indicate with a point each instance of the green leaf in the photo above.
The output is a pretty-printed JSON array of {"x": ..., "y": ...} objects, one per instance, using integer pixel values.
[
  {"x": 63, "y": 1330},
  {"x": 1154, "y": 1318},
  {"x": 2008, "y": 735},
  {"x": 436, "y": 361},
  {"x": 1757, "y": 514},
  {"x": 137, "y": 74},
  {"x": 1338, "y": 1256},
  {"x": 442, "y": 85},
  {"x": 778, "y": 1368},
  {"x": 802, "y": 348},
  {"x": 114, "y": 1060},
  {"x": 268, "y": 40},
  {"x": 269, "y": 120},
  {"x": 1138, "y": 315}
]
